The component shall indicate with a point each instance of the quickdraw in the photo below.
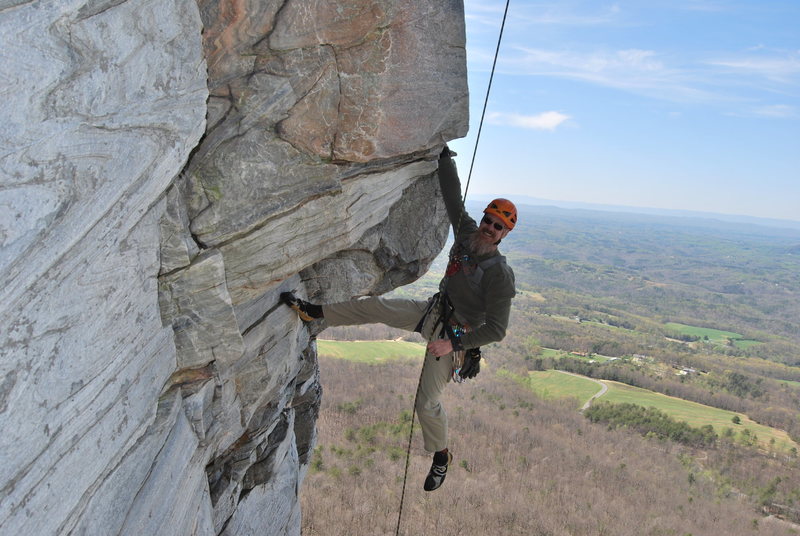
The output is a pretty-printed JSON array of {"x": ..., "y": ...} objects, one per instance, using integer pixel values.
[
  {"x": 458, "y": 356},
  {"x": 457, "y": 263}
]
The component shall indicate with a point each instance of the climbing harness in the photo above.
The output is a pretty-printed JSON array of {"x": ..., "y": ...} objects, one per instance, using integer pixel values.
[
  {"x": 451, "y": 329},
  {"x": 461, "y": 214}
]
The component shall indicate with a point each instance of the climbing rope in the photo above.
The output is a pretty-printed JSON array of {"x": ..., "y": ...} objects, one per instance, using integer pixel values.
[
  {"x": 408, "y": 448},
  {"x": 485, "y": 103},
  {"x": 463, "y": 209}
]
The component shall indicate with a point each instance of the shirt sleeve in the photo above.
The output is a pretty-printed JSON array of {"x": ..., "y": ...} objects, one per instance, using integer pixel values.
[
  {"x": 451, "y": 193},
  {"x": 498, "y": 292}
]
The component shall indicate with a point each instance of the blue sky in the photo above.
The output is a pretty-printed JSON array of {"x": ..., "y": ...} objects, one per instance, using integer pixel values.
[{"x": 676, "y": 104}]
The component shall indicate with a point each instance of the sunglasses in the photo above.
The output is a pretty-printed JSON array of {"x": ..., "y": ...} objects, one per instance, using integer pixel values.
[{"x": 494, "y": 224}]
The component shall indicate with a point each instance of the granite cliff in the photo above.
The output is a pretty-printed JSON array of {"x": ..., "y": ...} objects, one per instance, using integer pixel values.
[{"x": 168, "y": 167}]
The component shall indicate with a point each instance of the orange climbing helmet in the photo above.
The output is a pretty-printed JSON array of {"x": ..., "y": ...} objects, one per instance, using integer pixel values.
[{"x": 503, "y": 209}]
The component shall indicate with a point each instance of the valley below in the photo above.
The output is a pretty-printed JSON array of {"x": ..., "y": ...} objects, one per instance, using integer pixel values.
[{"x": 693, "y": 327}]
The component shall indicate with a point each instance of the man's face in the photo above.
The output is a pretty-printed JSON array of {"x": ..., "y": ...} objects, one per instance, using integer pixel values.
[{"x": 491, "y": 229}]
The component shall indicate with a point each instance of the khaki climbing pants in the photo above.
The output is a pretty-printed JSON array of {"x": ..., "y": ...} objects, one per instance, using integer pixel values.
[{"x": 406, "y": 314}]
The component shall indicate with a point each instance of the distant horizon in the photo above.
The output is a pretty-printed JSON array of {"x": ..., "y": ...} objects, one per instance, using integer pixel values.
[
  {"x": 529, "y": 201},
  {"x": 689, "y": 105}
]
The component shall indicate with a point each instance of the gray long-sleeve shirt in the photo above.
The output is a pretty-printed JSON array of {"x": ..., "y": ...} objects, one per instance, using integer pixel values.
[{"x": 487, "y": 311}]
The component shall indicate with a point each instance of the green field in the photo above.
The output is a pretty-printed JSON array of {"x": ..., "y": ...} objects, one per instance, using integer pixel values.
[
  {"x": 744, "y": 344},
  {"x": 554, "y": 384},
  {"x": 370, "y": 351},
  {"x": 555, "y": 354},
  {"x": 695, "y": 414},
  {"x": 714, "y": 335}
]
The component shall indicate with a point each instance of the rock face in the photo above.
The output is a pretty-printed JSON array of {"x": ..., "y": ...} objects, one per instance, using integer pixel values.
[{"x": 168, "y": 168}]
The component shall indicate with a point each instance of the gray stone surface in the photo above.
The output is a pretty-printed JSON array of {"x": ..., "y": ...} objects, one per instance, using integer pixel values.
[
  {"x": 177, "y": 245},
  {"x": 159, "y": 188},
  {"x": 89, "y": 356},
  {"x": 284, "y": 246},
  {"x": 382, "y": 258},
  {"x": 96, "y": 112},
  {"x": 197, "y": 303},
  {"x": 99, "y": 115},
  {"x": 270, "y": 506}
]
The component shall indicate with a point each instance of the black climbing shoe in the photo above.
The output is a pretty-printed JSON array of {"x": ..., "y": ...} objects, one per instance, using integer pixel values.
[
  {"x": 438, "y": 470},
  {"x": 307, "y": 311}
]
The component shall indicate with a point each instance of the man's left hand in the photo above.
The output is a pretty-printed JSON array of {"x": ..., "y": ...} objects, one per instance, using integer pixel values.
[
  {"x": 440, "y": 347},
  {"x": 472, "y": 364}
]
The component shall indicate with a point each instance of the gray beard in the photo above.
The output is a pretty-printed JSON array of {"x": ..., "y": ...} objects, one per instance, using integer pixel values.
[{"x": 479, "y": 247}]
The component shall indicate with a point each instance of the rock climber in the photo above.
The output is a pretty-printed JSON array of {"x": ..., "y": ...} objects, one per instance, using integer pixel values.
[{"x": 471, "y": 310}]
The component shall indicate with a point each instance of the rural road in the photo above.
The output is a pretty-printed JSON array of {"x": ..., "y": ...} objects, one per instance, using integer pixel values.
[{"x": 603, "y": 388}]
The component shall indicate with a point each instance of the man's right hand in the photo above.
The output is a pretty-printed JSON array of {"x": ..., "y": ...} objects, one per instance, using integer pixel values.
[
  {"x": 446, "y": 152},
  {"x": 440, "y": 347}
]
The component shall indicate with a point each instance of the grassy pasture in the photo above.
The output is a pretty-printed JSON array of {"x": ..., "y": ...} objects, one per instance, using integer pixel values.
[
  {"x": 696, "y": 414},
  {"x": 744, "y": 344},
  {"x": 554, "y": 384},
  {"x": 550, "y": 352},
  {"x": 714, "y": 335},
  {"x": 373, "y": 352}
]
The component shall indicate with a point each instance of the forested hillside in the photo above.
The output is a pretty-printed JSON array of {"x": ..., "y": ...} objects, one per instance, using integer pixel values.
[
  {"x": 720, "y": 300},
  {"x": 699, "y": 272},
  {"x": 522, "y": 466},
  {"x": 701, "y": 310}
]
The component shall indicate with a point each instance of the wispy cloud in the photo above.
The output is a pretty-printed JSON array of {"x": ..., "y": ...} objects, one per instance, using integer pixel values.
[
  {"x": 559, "y": 14},
  {"x": 543, "y": 121},
  {"x": 638, "y": 71},
  {"x": 629, "y": 60},
  {"x": 777, "y": 66},
  {"x": 724, "y": 76},
  {"x": 777, "y": 111},
  {"x": 550, "y": 13},
  {"x": 665, "y": 77},
  {"x": 767, "y": 111}
]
